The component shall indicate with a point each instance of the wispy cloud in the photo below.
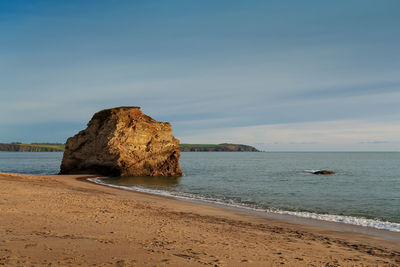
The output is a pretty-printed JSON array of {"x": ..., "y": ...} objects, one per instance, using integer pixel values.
[
  {"x": 335, "y": 135},
  {"x": 218, "y": 67}
]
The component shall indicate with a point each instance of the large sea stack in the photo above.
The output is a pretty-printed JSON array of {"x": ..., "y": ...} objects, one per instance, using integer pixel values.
[{"x": 123, "y": 142}]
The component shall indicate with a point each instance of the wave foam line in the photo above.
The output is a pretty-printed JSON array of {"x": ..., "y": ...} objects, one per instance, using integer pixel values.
[{"x": 359, "y": 221}]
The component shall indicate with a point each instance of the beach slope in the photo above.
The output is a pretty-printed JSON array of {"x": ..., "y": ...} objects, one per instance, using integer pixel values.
[{"x": 64, "y": 220}]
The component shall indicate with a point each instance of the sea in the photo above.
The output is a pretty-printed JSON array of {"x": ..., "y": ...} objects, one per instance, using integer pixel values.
[{"x": 364, "y": 191}]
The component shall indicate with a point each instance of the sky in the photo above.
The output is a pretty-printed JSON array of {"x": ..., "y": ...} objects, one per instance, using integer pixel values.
[{"x": 280, "y": 75}]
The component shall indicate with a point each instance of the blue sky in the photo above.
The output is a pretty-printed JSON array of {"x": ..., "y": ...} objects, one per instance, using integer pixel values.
[{"x": 283, "y": 75}]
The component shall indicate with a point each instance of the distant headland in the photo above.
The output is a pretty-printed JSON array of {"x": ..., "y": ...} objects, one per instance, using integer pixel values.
[
  {"x": 59, "y": 147},
  {"x": 33, "y": 147},
  {"x": 225, "y": 147}
]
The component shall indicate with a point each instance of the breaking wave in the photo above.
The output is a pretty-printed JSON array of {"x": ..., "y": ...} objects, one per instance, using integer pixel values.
[{"x": 359, "y": 221}]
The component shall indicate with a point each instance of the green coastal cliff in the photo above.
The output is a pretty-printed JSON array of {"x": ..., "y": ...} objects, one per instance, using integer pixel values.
[
  {"x": 58, "y": 147},
  {"x": 34, "y": 147},
  {"x": 217, "y": 148}
]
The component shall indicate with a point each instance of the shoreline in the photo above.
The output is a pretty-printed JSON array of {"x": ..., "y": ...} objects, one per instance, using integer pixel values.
[
  {"x": 79, "y": 220},
  {"x": 280, "y": 215}
]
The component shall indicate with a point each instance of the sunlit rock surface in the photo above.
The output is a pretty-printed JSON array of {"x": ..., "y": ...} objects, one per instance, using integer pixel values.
[{"x": 123, "y": 142}]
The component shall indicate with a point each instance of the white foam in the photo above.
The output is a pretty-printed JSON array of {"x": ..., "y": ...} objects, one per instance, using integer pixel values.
[
  {"x": 391, "y": 226},
  {"x": 359, "y": 221}
]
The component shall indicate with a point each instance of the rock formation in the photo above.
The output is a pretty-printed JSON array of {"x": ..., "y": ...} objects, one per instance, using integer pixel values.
[
  {"x": 123, "y": 142},
  {"x": 323, "y": 172}
]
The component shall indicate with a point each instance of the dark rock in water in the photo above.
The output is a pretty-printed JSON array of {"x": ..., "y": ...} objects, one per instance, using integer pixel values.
[
  {"x": 323, "y": 172},
  {"x": 123, "y": 142}
]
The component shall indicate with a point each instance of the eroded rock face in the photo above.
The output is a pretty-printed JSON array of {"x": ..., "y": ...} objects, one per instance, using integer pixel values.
[{"x": 123, "y": 142}]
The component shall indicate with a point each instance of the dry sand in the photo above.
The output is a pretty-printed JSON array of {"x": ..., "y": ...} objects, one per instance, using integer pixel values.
[{"x": 59, "y": 220}]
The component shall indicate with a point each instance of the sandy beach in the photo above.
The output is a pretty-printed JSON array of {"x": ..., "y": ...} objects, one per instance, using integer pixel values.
[{"x": 65, "y": 221}]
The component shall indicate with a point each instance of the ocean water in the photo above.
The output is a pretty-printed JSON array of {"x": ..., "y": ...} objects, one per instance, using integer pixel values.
[
  {"x": 364, "y": 191},
  {"x": 31, "y": 162}
]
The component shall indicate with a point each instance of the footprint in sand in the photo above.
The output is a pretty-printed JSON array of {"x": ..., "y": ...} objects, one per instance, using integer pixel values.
[{"x": 31, "y": 245}]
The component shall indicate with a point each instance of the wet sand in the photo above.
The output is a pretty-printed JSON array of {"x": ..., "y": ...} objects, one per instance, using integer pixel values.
[{"x": 64, "y": 220}]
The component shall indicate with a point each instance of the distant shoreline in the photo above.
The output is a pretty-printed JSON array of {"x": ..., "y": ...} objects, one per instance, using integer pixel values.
[
  {"x": 58, "y": 147},
  {"x": 34, "y": 147}
]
